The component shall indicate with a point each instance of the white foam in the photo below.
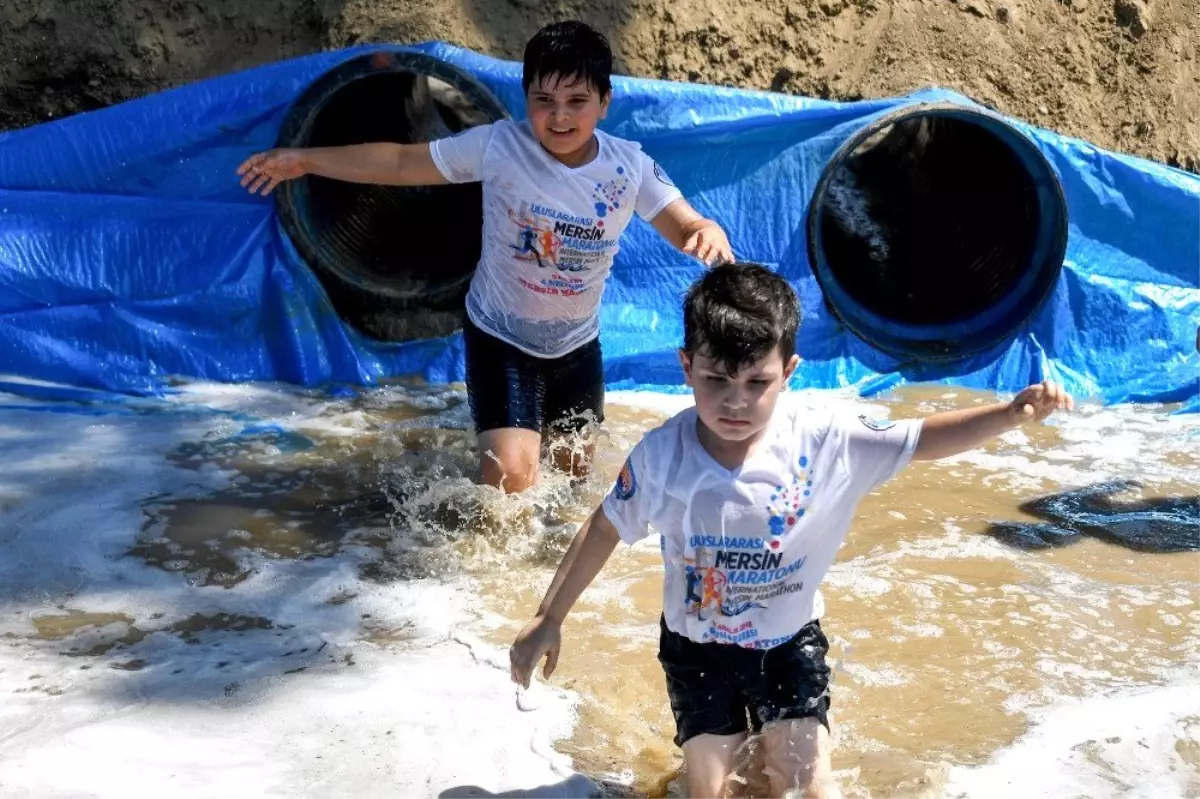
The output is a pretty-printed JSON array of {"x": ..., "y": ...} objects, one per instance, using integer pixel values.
[
  {"x": 425, "y": 707},
  {"x": 304, "y": 701},
  {"x": 1141, "y": 742}
]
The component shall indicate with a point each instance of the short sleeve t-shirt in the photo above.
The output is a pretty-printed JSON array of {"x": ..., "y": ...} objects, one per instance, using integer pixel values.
[
  {"x": 745, "y": 550},
  {"x": 550, "y": 231}
]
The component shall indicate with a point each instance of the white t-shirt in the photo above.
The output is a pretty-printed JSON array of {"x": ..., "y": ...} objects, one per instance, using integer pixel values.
[
  {"x": 746, "y": 550},
  {"x": 549, "y": 230}
]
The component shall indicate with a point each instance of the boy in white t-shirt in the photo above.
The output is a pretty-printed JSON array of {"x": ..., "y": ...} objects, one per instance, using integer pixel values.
[
  {"x": 557, "y": 194},
  {"x": 752, "y": 500}
]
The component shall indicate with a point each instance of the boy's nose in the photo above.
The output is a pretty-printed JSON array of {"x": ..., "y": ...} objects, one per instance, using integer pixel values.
[{"x": 736, "y": 399}]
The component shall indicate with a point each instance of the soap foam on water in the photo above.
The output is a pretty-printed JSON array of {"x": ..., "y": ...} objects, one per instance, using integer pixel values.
[
  {"x": 1139, "y": 742},
  {"x": 274, "y": 686},
  {"x": 338, "y": 675}
]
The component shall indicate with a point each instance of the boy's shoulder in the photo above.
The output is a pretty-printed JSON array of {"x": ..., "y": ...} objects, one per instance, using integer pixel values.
[
  {"x": 618, "y": 141},
  {"x": 794, "y": 416},
  {"x": 624, "y": 149},
  {"x": 670, "y": 430},
  {"x": 666, "y": 442}
]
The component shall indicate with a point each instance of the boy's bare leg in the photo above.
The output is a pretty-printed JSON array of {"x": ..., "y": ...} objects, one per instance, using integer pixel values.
[
  {"x": 709, "y": 760},
  {"x": 796, "y": 759},
  {"x": 508, "y": 458}
]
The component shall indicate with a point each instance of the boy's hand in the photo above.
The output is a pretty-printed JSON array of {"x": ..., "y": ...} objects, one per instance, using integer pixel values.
[
  {"x": 709, "y": 243},
  {"x": 1038, "y": 401},
  {"x": 267, "y": 170},
  {"x": 541, "y": 637}
]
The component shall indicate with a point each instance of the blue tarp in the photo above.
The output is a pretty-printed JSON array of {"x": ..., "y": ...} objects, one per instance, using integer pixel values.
[{"x": 129, "y": 254}]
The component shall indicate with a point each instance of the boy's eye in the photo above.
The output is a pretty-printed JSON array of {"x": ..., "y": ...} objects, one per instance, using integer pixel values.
[
  {"x": 715, "y": 379},
  {"x": 759, "y": 381}
]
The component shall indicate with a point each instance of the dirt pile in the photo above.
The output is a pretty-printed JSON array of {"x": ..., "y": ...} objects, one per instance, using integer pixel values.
[{"x": 1124, "y": 74}]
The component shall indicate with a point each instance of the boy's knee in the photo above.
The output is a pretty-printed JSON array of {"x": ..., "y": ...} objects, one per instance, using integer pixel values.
[
  {"x": 509, "y": 463},
  {"x": 796, "y": 757}
]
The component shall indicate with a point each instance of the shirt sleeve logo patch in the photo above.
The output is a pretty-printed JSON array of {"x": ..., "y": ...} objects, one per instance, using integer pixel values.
[
  {"x": 875, "y": 424},
  {"x": 661, "y": 175},
  {"x": 626, "y": 485}
]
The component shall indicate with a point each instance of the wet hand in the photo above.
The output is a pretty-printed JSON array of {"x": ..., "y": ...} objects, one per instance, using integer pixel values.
[
  {"x": 262, "y": 172},
  {"x": 1039, "y": 401},
  {"x": 709, "y": 243},
  {"x": 540, "y": 638}
]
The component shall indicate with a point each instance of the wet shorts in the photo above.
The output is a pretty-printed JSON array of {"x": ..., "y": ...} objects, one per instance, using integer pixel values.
[
  {"x": 723, "y": 689},
  {"x": 510, "y": 388}
]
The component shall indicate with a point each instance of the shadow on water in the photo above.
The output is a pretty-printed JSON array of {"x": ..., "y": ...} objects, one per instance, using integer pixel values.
[
  {"x": 296, "y": 512},
  {"x": 311, "y": 500},
  {"x": 574, "y": 786},
  {"x": 1148, "y": 524},
  {"x": 259, "y": 562},
  {"x": 298, "y": 509}
]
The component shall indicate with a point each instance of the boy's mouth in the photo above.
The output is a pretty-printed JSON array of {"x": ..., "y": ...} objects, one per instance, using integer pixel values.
[{"x": 560, "y": 131}]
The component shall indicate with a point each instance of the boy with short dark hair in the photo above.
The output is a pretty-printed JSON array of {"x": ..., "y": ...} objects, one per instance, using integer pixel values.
[
  {"x": 557, "y": 194},
  {"x": 752, "y": 499}
]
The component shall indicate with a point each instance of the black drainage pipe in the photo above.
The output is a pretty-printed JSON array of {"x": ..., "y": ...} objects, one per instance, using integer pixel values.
[
  {"x": 936, "y": 231},
  {"x": 395, "y": 261}
]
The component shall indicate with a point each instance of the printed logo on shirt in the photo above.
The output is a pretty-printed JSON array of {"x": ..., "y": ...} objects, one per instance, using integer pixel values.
[
  {"x": 554, "y": 239},
  {"x": 626, "y": 485},
  {"x": 789, "y": 502},
  {"x": 661, "y": 175},
  {"x": 609, "y": 196},
  {"x": 877, "y": 425},
  {"x": 724, "y": 583},
  {"x": 556, "y": 286}
]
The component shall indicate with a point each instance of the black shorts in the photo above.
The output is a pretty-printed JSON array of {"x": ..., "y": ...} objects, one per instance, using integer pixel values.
[
  {"x": 510, "y": 388},
  {"x": 714, "y": 687}
]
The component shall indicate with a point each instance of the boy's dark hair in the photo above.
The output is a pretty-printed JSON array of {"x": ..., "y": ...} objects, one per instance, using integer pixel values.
[
  {"x": 570, "y": 50},
  {"x": 737, "y": 313}
]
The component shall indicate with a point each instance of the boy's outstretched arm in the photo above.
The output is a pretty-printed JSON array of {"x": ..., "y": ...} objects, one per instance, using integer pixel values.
[
  {"x": 385, "y": 163},
  {"x": 683, "y": 226},
  {"x": 542, "y": 636},
  {"x": 952, "y": 432}
]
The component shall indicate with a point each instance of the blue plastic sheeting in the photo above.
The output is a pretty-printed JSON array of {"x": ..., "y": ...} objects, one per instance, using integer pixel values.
[{"x": 129, "y": 253}]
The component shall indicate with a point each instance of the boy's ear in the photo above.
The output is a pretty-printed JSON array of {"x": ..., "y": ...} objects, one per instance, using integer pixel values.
[
  {"x": 789, "y": 368},
  {"x": 686, "y": 363},
  {"x": 605, "y": 101}
]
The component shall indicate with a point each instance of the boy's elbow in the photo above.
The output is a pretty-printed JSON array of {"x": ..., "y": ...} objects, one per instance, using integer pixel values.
[
  {"x": 603, "y": 529},
  {"x": 931, "y": 447}
]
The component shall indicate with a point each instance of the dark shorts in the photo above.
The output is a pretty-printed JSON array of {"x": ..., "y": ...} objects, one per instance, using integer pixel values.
[
  {"x": 723, "y": 689},
  {"x": 510, "y": 388}
]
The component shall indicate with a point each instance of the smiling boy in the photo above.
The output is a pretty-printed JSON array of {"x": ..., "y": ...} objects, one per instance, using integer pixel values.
[{"x": 557, "y": 195}]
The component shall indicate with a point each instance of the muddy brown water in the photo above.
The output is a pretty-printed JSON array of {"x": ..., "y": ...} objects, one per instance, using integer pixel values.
[{"x": 1057, "y": 562}]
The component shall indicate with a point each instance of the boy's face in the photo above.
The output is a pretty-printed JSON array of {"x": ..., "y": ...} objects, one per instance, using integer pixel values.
[
  {"x": 563, "y": 114},
  {"x": 736, "y": 407}
]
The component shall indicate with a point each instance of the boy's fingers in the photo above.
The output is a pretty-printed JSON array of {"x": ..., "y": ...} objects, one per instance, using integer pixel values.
[
  {"x": 551, "y": 662},
  {"x": 254, "y": 162},
  {"x": 518, "y": 669}
]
